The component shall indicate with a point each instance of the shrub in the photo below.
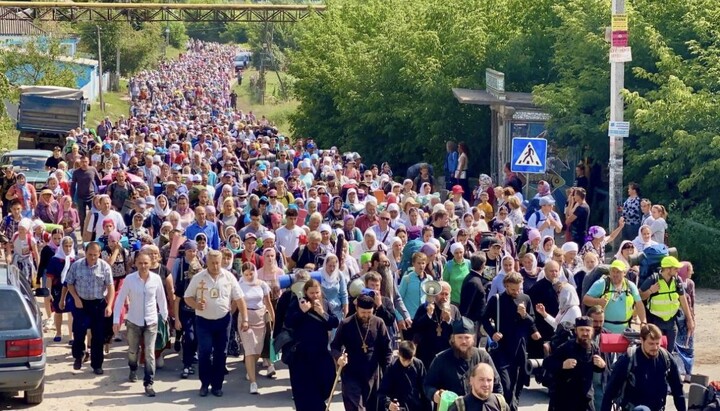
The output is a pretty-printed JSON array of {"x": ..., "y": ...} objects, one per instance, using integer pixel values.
[{"x": 696, "y": 235}]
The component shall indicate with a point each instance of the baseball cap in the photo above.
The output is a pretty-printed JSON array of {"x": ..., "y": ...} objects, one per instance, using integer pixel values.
[
  {"x": 547, "y": 200},
  {"x": 670, "y": 262},
  {"x": 617, "y": 264}
]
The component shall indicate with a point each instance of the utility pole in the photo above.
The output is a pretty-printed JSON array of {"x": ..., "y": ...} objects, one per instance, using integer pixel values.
[
  {"x": 617, "y": 107},
  {"x": 100, "y": 69},
  {"x": 117, "y": 68}
]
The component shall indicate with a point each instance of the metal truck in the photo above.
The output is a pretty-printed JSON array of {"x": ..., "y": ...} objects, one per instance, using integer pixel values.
[{"x": 46, "y": 114}]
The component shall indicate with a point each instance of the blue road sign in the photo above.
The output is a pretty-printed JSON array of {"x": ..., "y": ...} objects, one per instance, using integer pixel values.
[{"x": 529, "y": 155}]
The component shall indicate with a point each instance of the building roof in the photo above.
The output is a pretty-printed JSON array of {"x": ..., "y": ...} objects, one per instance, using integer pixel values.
[
  {"x": 13, "y": 25},
  {"x": 483, "y": 98}
]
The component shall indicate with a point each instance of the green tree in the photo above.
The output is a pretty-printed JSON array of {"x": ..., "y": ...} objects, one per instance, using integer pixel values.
[
  {"x": 139, "y": 49},
  {"x": 37, "y": 63}
]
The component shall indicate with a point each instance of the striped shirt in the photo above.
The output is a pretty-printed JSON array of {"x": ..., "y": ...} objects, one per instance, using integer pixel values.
[{"x": 90, "y": 281}]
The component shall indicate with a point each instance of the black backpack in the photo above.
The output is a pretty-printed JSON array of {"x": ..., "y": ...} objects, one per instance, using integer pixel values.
[
  {"x": 711, "y": 400},
  {"x": 630, "y": 380}
]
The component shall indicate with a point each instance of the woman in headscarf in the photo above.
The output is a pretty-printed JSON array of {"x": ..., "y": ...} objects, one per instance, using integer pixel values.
[
  {"x": 597, "y": 239},
  {"x": 461, "y": 237},
  {"x": 424, "y": 194},
  {"x": 269, "y": 273},
  {"x": 187, "y": 216},
  {"x": 545, "y": 253},
  {"x": 353, "y": 203},
  {"x": 347, "y": 265},
  {"x": 119, "y": 260},
  {"x": 159, "y": 213},
  {"x": 24, "y": 193},
  {"x": 685, "y": 343},
  {"x": 569, "y": 306},
  {"x": 336, "y": 211},
  {"x": 229, "y": 217},
  {"x": 136, "y": 230},
  {"x": 626, "y": 250},
  {"x": 485, "y": 185},
  {"x": 334, "y": 286},
  {"x": 368, "y": 244},
  {"x": 259, "y": 311},
  {"x": 25, "y": 254},
  {"x": 644, "y": 239},
  {"x": 434, "y": 267},
  {"x": 395, "y": 255},
  {"x": 312, "y": 367},
  {"x": 202, "y": 247},
  {"x": 56, "y": 272},
  {"x": 529, "y": 271},
  {"x": 351, "y": 232},
  {"x": 532, "y": 245},
  {"x": 507, "y": 265}
]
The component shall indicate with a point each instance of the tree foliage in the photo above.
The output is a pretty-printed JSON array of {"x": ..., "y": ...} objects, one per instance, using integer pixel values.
[
  {"x": 35, "y": 63},
  {"x": 139, "y": 49},
  {"x": 376, "y": 76}
]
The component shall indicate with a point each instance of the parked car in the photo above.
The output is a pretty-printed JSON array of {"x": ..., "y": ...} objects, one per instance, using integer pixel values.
[
  {"x": 29, "y": 162},
  {"x": 22, "y": 349}
]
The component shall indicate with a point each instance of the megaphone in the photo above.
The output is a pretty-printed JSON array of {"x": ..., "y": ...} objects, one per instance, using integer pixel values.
[
  {"x": 357, "y": 287},
  {"x": 431, "y": 289}
]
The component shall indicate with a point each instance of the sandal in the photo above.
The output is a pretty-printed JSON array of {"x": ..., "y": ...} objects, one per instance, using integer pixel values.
[{"x": 57, "y": 338}]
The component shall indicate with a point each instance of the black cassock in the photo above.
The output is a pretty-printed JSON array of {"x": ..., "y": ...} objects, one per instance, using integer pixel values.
[
  {"x": 369, "y": 353},
  {"x": 573, "y": 388},
  {"x": 425, "y": 329},
  {"x": 312, "y": 369}
]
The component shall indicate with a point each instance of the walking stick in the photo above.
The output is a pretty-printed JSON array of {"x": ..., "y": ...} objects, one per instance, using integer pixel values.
[{"x": 337, "y": 377}]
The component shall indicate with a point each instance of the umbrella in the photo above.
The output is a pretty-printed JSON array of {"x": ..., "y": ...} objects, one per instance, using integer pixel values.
[{"x": 132, "y": 178}]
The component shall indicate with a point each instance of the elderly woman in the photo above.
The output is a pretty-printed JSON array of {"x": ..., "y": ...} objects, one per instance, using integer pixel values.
[
  {"x": 334, "y": 286},
  {"x": 597, "y": 239},
  {"x": 569, "y": 306},
  {"x": 56, "y": 272},
  {"x": 353, "y": 203},
  {"x": 259, "y": 311},
  {"x": 369, "y": 244},
  {"x": 351, "y": 232}
]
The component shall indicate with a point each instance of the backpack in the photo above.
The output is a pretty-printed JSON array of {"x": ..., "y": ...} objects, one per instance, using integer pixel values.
[
  {"x": 523, "y": 237},
  {"x": 651, "y": 263},
  {"x": 711, "y": 400},
  {"x": 460, "y": 402},
  {"x": 630, "y": 381}
]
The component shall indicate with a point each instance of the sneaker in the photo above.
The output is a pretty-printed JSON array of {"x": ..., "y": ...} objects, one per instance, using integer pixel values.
[
  {"x": 271, "y": 371},
  {"x": 177, "y": 345},
  {"x": 217, "y": 393},
  {"x": 77, "y": 364},
  {"x": 185, "y": 373},
  {"x": 253, "y": 388},
  {"x": 192, "y": 370},
  {"x": 204, "y": 391},
  {"x": 133, "y": 376},
  {"x": 149, "y": 391},
  {"x": 98, "y": 371},
  {"x": 160, "y": 361}
]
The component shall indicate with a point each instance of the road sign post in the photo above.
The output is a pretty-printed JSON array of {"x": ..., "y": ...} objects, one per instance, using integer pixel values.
[
  {"x": 617, "y": 107},
  {"x": 529, "y": 155}
]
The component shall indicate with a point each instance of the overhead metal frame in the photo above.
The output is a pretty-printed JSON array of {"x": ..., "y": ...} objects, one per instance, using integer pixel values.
[{"x": 157, "y": 12}]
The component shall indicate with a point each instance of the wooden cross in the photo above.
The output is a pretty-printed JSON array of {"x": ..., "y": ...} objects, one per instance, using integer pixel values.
[{"x": 202, "y": 288}]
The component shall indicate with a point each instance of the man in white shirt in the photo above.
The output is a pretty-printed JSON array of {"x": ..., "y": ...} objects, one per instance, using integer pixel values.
[
  {"x": 288, "y": 236},
  {"x": 212, "y": 293},
  {"x": 383, "y": 232},
  {"x": 145, "y": 293},
  {"x": 546, "y": 220},
  {"x": 94, "y": 223}
]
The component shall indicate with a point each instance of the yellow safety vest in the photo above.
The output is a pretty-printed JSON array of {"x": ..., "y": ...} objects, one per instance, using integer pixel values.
[
  {"x": 666, "y": 302},
  {"x": 629, "y": 300}
]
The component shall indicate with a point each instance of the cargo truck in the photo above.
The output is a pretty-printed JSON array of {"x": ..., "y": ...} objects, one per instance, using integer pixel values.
[{"x": 47, "y": 113}]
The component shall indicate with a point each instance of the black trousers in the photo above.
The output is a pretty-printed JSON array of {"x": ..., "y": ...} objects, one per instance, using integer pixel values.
[
  {"x": 90, "y": 317},
  {"x": 358, "y": 395}
]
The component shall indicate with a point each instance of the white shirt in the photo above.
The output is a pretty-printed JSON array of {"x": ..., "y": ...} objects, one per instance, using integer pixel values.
[
  {"x": 116, "y": 217},
  {"x": 538, "y": 218},
  {"x": 289, "y": 239},
  {"x": 218, "y": 293},
  {"x": 144, "y": 299}
]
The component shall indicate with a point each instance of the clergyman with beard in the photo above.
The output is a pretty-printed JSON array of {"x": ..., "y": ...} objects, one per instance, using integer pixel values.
[
  {"x": 450, "y": 370},
  {"x": 366, "y": 358},
  {"x": 573, "y": 366}
]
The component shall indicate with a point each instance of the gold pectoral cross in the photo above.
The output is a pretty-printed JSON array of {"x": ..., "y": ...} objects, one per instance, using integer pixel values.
[
  {"x": 438, "y": 330},
  {"x": 364, "y": 347},
  {"x": 202, "y": 288}
]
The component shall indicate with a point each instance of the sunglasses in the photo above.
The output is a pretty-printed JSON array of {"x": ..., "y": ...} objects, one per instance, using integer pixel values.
[{"x": 385, "y": 218}]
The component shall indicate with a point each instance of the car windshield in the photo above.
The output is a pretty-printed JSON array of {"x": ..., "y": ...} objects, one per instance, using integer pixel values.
[
  {"x": 24, "y": 162},
  {"x": 12, "y": 316}
]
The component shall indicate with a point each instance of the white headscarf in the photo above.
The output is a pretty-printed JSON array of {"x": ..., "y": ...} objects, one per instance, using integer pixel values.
[
  {"x": 330, "y": 280},
  {"x": 253, "y": 281},
  {"x": 60, "y": 254},
  {"x": 162, "y": 212}
]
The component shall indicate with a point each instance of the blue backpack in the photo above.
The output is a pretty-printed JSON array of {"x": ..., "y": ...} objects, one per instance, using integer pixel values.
[{"x": 651, "y": 263}]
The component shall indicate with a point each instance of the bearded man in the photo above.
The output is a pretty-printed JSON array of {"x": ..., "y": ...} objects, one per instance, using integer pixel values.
[
  {"x": 450, "y": 370},
  {"x": 573, "y": 366}
]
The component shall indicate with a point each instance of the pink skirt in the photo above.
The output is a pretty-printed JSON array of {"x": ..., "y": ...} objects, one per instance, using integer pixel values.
[{"x": 253, "y": 338}]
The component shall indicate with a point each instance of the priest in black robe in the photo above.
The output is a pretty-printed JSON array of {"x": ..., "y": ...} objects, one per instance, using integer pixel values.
[
  {"x": 432, "y": 325},
  {"x": 361, "y": 348}
]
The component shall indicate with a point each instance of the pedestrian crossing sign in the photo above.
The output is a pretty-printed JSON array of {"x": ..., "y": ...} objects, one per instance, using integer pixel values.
[{"x": 529, "y": 155}]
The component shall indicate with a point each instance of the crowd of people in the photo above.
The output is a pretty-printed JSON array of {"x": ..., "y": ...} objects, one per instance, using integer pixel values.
[{"x": 185, "y": 219}]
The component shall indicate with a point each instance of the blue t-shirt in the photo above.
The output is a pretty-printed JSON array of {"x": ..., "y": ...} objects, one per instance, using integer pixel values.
[{"x": 615, "y": 308}]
